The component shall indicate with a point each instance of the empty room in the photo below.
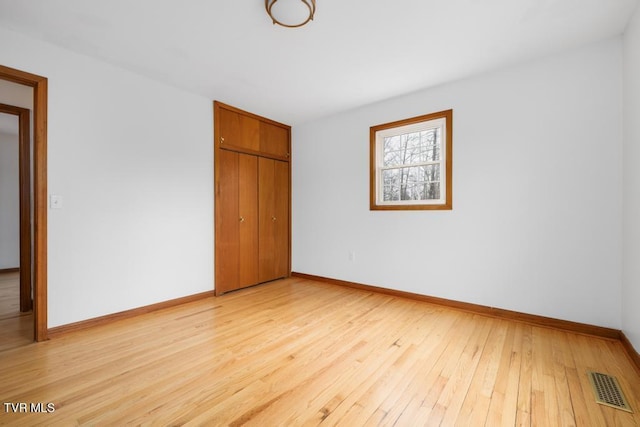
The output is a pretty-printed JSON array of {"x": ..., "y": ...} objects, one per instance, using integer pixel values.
[{"x": 309, "y": 212}]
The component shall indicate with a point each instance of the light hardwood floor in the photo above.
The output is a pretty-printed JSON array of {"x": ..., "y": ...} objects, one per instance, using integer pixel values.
[
  {"x": 16, "y": 328},
  {"x": 297, "y": 352}
]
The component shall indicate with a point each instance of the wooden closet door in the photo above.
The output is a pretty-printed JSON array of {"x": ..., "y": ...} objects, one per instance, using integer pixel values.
[
  {"x": 238, "y": 131},
  {"x": 252, "y": 192},
  {"x": 281, "y": 225},
  {"x": 227, "y": 229},
  {"x": 266, "y": 203},
  {"x": 274, "y": 140},
  {"x": 273, "y": 206},
  {"x": 248, "y": 220},
  {"x": 236, "y": 222}
]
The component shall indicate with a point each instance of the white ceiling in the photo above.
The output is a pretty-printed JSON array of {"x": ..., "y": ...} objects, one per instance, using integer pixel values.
[{"x": 355, "y": 51}]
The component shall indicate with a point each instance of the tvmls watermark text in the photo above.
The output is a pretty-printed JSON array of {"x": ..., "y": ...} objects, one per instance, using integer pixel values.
[{"x": 29, "y": 407}]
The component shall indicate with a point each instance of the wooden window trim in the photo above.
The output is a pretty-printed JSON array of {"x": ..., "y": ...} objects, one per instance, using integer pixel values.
[{"x": 448, "y": 143}]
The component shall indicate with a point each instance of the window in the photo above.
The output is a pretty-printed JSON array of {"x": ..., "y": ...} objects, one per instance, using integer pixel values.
[{"x": 411, "y": 164}]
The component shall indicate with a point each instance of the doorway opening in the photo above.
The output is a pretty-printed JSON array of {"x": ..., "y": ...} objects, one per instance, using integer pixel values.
[
  {"x": 37, "y": 253},
  {"x": 16, "y": 318}
]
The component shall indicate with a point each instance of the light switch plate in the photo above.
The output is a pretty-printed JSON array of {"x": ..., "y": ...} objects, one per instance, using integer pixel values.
[{"x": 55, "y": 201}]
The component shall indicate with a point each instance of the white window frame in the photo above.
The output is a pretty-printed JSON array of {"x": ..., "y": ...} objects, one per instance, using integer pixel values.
[{"x": 441, "y": 120}]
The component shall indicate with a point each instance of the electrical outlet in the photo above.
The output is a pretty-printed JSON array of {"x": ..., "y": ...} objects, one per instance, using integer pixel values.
[{"x": 352, "y": 256}]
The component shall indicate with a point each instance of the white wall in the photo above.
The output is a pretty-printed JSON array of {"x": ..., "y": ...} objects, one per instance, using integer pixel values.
[
  {"x": 9, "y": 199},
  {"x": 631, "y": 212},
  {"x": 132, "y": 160},
  {"x": 537, "y": 193},
  {"x": 537, "y": 190}
]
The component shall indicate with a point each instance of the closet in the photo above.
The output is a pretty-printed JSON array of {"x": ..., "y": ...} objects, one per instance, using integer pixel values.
[{"x": 252, "y": 199}]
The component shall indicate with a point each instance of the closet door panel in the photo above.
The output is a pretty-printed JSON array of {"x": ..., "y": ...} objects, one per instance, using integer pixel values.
[
  {"x": 227, "y": 225},
  {"x": 266, "y": 202},
  {"x": 274, "y": 140},
  {"x": 281, "y": 224},
  {"x": 248, "y": 220},
  {"x": 238, "y": 131}
]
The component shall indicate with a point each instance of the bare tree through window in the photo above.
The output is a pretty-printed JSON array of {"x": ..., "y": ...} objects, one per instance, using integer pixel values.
[{"x": 410, "y": 160}]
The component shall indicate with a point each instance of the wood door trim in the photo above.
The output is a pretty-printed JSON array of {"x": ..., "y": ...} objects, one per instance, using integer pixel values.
[
  {"x": 217, "y": 251},
  {"x": 39, "y": 85},
  {"x": 236, "y": 149},
  {"x": 24, "y": 172}
]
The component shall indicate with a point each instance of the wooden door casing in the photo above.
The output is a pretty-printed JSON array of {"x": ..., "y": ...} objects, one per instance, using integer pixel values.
[{"x": 40, "y": 194}]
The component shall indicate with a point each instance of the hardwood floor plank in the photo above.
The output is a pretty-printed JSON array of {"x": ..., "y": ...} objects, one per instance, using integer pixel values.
[
  {"x": 560, "y": 362},
  {"x": 9, "y": 294},
  {"x": 368, "y": 405},
  {"x": 426, "y": 383},
  {"x": 361, "y": 402},
  {"x": 504, "y": 396},
  {"x": 475, "y": 408},
  {"x": 303, "y": 353},
  {"x": 16, "y": 328},
  {"x": 428, "y": 351},
  {"x": 525, "y": 392}
]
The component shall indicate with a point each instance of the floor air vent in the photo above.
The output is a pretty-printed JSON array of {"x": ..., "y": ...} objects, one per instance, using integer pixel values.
[{"x": 607, "y": 391}]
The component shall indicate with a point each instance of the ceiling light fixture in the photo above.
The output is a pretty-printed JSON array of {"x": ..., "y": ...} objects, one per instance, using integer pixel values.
[{"x": 290, "y": 13}]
